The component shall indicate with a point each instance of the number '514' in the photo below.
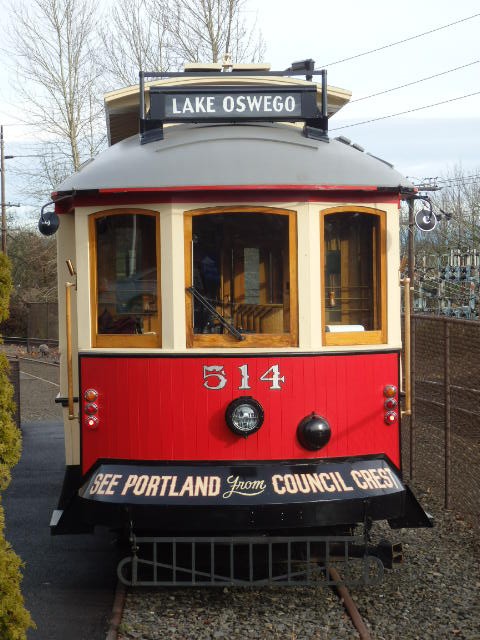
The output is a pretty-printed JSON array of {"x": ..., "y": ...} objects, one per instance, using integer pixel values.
[{"x": 215, "y": 378}]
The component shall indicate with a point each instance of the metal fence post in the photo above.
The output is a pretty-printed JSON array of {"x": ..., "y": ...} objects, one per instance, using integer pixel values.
[
  {"x": 412, "y": 393},
  {"x": 447, "y": 411}
]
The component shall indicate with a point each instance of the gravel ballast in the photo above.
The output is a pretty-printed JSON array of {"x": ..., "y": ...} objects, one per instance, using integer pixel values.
[{"x": 432, "y": 596}]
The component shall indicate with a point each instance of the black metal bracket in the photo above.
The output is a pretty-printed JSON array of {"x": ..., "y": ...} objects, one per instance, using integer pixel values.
[{"x": 316, "y": 125}]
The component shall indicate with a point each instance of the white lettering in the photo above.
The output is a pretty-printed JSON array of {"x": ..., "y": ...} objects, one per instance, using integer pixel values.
[
  {"x": 214, "y": 371},
  {"x": 289, "y": 104},
  {"x": 275, "y": 378},
  {"x": 174, "y": 106},
  {"x": 199, "y": 104},
  {"x": 211, "y": 104},
  {"x": 228, "y": 104},
  {"x": 187, "y": 106},
  {"x": 277, "y": 103},
  {"x": 240, "y": 104},
  {"x": 254, "y": 103}
]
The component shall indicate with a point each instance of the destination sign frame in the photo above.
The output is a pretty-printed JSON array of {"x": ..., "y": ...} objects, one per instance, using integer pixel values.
[{"x": 237, "y": 103}]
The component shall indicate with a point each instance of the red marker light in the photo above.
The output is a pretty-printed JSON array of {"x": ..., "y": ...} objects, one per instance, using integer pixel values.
[
  {"x": 91, "y": 422},
  {"x": 390, "y": 417},
  {"x": 390, "y": 403},
  {"x": 91, "y": 408}
]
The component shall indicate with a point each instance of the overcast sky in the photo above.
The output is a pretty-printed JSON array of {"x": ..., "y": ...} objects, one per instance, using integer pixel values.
[{"x": 424, "y": 143}]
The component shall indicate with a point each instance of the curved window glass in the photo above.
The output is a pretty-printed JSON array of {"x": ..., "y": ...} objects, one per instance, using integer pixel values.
[
  {"x": 126, "y": 297},
  {"x": 241, "y": 285},
  {"x": 353, "y": 277}
]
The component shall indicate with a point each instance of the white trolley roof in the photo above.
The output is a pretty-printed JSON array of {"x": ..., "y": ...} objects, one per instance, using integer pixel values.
[{"x": 233, "y": 155}]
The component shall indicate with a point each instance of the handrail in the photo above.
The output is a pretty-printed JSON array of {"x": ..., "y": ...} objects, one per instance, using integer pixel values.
[
  {"x": 408, "y": 373},
  {"x": 68, "y": 310}
]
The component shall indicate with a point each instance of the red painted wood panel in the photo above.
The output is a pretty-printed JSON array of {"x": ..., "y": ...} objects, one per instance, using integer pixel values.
[{"x": 158, "y": 408}]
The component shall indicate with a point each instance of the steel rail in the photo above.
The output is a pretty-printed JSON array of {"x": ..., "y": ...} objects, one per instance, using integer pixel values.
[{"x": 350, "y": 606}]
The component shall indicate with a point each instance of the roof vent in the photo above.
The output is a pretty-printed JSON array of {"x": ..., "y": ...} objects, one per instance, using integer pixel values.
[
  {"x": 358, "y": 147},
  {"x": 201, "y": 67},
  {"x": 389, "y": 164},
  {"x": 344, "y": 140}
]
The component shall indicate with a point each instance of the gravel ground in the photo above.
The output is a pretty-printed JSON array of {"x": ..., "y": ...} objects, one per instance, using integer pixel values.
[{"x": 434, "y": 595}]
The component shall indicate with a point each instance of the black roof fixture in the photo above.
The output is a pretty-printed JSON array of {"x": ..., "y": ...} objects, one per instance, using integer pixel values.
[
  {"x": 235, "y": 103},
  {"x": 49, "y": 222}
]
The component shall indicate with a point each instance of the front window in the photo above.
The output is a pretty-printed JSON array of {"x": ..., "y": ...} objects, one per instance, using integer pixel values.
[
  {"x": 353, "y": 277},
  {"x": 125, "y": 267},
  {"x": 241, "y": 285}
]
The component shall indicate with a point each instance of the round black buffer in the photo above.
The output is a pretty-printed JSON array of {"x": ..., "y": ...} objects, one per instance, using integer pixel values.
[
  {"x": 313, "y": 432},
  {"x": 244, "y": 416}
]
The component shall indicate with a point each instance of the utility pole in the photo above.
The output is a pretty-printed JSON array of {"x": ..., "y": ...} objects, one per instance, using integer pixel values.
[
  {"x": 3, "y": 157},
  {"x": 4, "y": 212}
]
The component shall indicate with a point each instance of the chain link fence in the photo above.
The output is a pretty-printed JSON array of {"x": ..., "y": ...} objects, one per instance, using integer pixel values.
[{"x": 441, "y": 440}]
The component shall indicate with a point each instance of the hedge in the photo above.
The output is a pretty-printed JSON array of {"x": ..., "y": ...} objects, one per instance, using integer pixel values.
[{"x": 15, "y": 620}]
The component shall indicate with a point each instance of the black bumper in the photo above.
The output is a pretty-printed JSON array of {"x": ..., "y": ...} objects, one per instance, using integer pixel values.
[{"x": 240, "y": 498}]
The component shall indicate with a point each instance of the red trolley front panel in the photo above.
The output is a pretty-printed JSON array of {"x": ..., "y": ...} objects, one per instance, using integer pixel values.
[{"x": 173, "y": 408}]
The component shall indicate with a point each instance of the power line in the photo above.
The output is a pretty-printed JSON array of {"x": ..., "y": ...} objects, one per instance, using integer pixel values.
[
  {"x": 401, "y": 113},
  {"x": 409, "y": 84},
  {"x": 394, "y": 44}
]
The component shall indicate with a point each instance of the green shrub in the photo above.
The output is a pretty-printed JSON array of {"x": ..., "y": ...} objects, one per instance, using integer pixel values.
[{"x": 14, "y": 618}]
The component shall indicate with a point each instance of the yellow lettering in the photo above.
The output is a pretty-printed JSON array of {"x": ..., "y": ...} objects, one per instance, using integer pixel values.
[
  {"x": 113, "y": 483},
  {"x": 290, "y": 485},
  {"x": 96, "y": 483},
  {"x": 201, "y": 486},
  {"x": 141, "y": 485},
  {"x": 314, "y": 482},
  {"x": 131, "y": 482},
  {"x": 275, "y": 480},
  {"x": 368, "y": 479},
  {"x": 153, "y": 485},
  {"x": 187, "y": 487},
  {"x": 323, "y": 479},
  {"x": 302, "y": 483},
  {"x": 387, "y": 481},
  {"x": 214, "y": 486},
  {"x": 356, "y": 475},
  {"x": 345, "y": 487},
  {"x": 103, "y": 485}
]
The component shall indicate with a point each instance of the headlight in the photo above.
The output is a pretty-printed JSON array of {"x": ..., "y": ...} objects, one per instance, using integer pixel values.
[{"x": 244, "y": 416}]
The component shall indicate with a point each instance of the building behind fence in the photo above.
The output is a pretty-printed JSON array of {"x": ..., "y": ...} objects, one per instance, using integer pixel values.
[{"x": 441, "y": 443}]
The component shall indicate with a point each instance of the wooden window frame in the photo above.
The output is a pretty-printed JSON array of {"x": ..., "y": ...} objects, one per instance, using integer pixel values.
[
  {"x": 256, "y": 340},
  {"x": 121, "y": 340},
  {"x": 352, "y": 338}
]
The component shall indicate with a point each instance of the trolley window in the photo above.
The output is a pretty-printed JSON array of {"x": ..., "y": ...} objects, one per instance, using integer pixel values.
[
  {"x": 354, "y": 278},
  {"x": 241, "y": 277},
  {"x": 125, "y": 279}
]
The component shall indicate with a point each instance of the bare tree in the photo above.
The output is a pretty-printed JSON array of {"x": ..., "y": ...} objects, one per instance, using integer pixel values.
[
  {"x": 204, "y": 30},
  {"x": 162, "y": 35},
  {"x": 459, "y": 197},
  {"x": 53, "y": 43},
  {"x": 137, "y": 40}
]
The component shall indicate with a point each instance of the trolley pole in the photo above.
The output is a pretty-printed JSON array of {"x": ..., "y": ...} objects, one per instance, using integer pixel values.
[{"x": 4, "y": 207}]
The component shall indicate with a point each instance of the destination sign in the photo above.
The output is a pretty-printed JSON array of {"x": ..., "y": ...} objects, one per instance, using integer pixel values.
[
  {"x": 237, "y": 103},
  {"x": 273, "y": 483}
]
